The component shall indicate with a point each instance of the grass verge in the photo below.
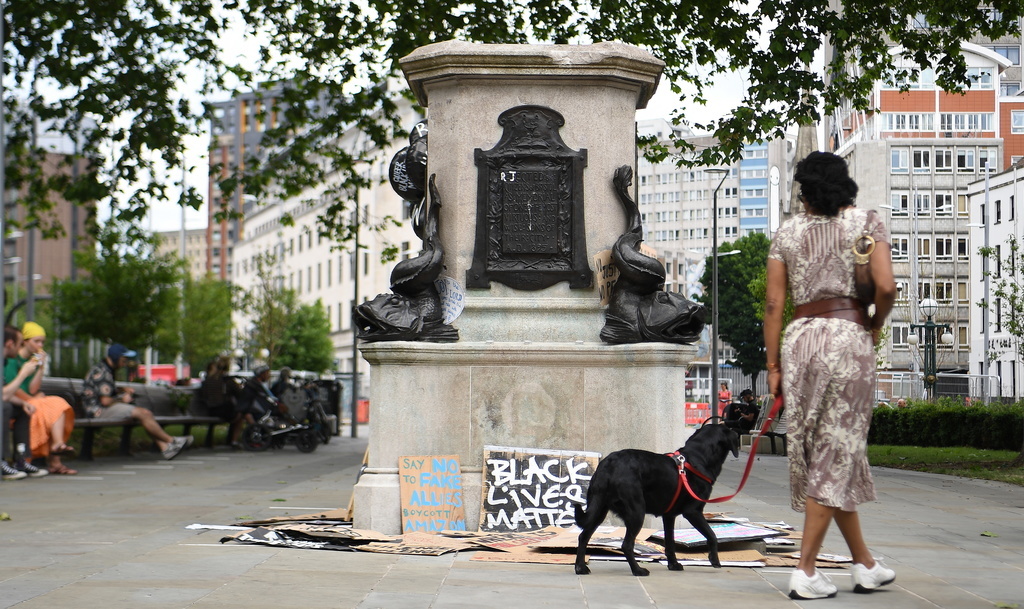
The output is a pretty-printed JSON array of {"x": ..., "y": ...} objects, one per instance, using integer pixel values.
[{"x": 954, "y": 461}]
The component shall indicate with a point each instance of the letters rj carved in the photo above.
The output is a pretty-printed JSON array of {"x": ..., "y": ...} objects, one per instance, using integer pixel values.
[
  {"x": 640, "y": 309},
  {"x": 530, "y": 229}
]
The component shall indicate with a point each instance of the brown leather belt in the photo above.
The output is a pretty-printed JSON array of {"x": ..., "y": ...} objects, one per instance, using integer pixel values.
[{"x": 849, "y": 309}]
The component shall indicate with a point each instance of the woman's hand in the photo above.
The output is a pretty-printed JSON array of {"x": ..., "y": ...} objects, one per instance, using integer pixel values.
[{"x": 775, "y": 381}]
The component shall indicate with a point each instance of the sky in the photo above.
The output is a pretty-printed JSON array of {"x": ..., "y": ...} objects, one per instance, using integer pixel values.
[{"x": 723, "y": 96}]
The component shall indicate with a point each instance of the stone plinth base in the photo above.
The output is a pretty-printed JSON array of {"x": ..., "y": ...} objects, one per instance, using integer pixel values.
[{"x": 441, "y": 399}]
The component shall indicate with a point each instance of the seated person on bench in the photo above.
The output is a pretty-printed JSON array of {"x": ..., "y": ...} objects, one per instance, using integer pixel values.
[
  {"x": 102, "y": 400},
  {"x": 741, "y": 415}
]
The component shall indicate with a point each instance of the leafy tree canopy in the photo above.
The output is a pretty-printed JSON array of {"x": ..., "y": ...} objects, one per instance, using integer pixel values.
[
  {"x": 128, "y": 66},
  {"x": 126, "y": 295},
  {"x": 737, "y": 303},
  {"x": 307, "y": 344}
]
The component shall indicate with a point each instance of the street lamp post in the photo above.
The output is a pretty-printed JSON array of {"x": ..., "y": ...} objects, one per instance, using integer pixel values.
[
  {"x": 929, "y": 307},
  {"x": 714, "y": 288}
]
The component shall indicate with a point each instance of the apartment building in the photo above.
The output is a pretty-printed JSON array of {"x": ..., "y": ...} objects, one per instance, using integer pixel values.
[
  {"x": 914, "y": 160},
  {"x": 195, "y": 253},
  {"x": 676, "y": 207},
  {"x": 996, "y": 206},
  {"x": 318, "y": 268}
]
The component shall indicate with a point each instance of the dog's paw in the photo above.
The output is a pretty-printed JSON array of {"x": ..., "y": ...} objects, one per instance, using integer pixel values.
[
  {"x": 716, "y": 564},
  {"x": 674, "y": 566},
  {"x": 641, "y": 572},
  {"x": 582, "y": 570}
]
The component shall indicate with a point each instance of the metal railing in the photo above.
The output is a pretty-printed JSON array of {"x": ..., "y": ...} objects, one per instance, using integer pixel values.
[{"x": 910, "y": 385}]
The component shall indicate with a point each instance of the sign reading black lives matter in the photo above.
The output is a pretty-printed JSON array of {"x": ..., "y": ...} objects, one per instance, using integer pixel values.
[
  {"x": 530, "y": 232},
  {"x": 525, "y": 489}
]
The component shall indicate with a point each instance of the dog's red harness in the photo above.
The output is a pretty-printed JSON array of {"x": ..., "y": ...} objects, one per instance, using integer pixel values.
[{"x": 686, "y": 467}]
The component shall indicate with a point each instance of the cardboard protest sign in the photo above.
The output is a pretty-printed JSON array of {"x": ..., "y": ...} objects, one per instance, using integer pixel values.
[
  {"x": 525, "y": 489},
  {"x": 607, "y": 274},
  {"x": 431, "y": 488}
]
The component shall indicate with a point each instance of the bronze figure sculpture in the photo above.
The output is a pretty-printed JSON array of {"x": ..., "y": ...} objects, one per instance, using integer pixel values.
[
  {"x": 413, "y": 311},
  {"x": 640, "y": 310}
]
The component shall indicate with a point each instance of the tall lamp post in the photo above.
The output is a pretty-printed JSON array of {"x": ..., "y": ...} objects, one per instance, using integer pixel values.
[
  {"x": 929, "y": 307},
  {"x": 714, "y": 287}
]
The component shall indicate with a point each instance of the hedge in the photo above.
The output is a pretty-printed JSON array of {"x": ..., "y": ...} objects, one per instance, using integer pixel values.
[{"x": 949, "y": 422}]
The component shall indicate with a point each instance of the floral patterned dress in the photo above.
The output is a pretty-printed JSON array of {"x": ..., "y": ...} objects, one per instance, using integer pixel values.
[{"x": 828, "y": 365}]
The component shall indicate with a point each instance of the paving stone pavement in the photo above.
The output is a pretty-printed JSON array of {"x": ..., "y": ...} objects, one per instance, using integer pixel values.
[{"x": 114, "y": 537}]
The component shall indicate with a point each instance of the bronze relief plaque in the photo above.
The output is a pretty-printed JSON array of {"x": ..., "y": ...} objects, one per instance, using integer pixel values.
[{"x": 530, "y": 230}]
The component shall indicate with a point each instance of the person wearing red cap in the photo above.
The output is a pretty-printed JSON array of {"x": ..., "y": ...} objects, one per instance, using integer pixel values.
[{"x": 102, "y": 400}]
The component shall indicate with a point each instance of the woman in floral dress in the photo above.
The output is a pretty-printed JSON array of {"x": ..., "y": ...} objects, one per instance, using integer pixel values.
[{"x": 825, "y": 367}]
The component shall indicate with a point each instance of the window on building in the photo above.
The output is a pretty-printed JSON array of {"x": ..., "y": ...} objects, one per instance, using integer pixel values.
[
  {"x": 984, "y": 156},
  {"x": 962, "y": 205},
  {"x": 943, "y": 248},
  {"x": 328, "y": 273},
  {"x": 943, "y": 204},
  {"x": 1017, "y": 121},
  {"x": 962, "y": 248},
  {"x": 899, "y": 160},
  {"x": 965, "y": 159},
  {"x": 900, "y": 332},
  {"x": 924, "y": 290},
  {"x": 943, "y": 160},
  {"x": 962, "y": 332},
  {"x": 980, "y": 78},
  {"x": 999, "y": 261},
  {"x": 922, "y": 161},
  {"x": 1008, "y": 88},
  {"x": 923, "y": 203},
  {"x": 900, "y": 202},
  {"x": 961, "y": 292},
  {"x": 924, "y": 247},
  {"x": 944, "y": 291},
  {"x": 900, "y": 248},
  {"x": 999, "y": 211},
  {"x": 1010, "y": 52},
  {"x": 730, "y": 193}
]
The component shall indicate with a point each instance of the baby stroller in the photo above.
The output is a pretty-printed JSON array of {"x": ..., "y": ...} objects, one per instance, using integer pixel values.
[
  {"x": 273, "y": 426},
  {"x": 275, "y": 430}
]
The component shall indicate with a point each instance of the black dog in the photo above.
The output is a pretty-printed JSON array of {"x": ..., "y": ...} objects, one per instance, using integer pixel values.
[{"x": 632, "y": 483}]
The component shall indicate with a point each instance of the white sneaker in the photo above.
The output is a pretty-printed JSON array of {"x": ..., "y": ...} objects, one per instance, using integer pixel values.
[
  {"x": 807, "y": 588},
  {"x": 175, "y": 446},
  {"x": 189, "y": 440},
  {"x": 865, "y": 580},
  {"x": 9, "y": 473}
]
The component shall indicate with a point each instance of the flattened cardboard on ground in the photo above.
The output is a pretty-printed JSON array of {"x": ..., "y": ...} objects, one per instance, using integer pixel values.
[
  {"x": 339, "y": 515},
  {"x": 787, "y": 560},
  {"x": 327, "y": 531},
  {"x": 440, "y": 541},
  {"x": 724, "y": 531},
  {"x": 509, "y": 541},
  {"x": 280, "y": 539},
  {"x": 403, "y": 548}
]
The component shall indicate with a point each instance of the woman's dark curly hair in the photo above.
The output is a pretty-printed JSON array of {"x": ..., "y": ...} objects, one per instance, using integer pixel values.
[{"x": 825, "y": 182}]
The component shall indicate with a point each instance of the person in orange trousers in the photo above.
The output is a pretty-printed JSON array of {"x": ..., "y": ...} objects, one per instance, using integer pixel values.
[{"x": 54, "y": 419}]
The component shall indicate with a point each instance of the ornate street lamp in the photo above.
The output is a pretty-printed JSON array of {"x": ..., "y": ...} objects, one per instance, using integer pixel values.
[
  {"x": 929, "y": 307},
  {"x": 716, "y": 409}
]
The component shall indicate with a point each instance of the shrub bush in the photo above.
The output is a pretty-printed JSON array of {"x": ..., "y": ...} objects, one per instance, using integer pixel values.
[{"x": 950, "y": 422}]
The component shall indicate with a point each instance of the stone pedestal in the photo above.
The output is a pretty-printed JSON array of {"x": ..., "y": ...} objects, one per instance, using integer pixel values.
[
  {"x": 529, "y": 370},
  {"x": 442, "y": 399}
]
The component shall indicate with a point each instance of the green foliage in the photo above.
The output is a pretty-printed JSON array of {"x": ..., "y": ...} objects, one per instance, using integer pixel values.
[
  {"x": 126, "y": 295},
  {"x": 270, "y": 307},
  {"x": 122, "y": 64},
  {"x": 307, "y": 344},
  {"x": 737, "y": 302},
  {"x": 949, "y": 422},
  {"x": 206, "y": 327}
]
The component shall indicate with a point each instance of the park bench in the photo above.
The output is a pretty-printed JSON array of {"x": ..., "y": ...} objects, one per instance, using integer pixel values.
[{"x": 157, "y": 398}]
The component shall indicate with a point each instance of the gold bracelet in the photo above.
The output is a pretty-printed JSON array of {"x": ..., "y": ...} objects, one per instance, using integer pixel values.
[{"x": 772, "y": 366}]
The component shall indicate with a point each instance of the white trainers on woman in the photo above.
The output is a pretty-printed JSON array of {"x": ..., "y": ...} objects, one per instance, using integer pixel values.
[
  {"x": 865, "y": 580},
  {"x": 807, "y": 588}
]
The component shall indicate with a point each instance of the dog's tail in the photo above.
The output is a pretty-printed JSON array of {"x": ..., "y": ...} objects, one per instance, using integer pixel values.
[{"x": 581, "y": 515}]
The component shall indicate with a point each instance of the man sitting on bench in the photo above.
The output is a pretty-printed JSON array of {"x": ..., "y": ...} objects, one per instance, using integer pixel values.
[
  {"x": 102, "y": 400},
  {"x": 742, "y": 415}
]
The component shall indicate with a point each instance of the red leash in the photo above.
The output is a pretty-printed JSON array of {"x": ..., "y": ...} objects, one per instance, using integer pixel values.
[{"x": 686, "y": 467}]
